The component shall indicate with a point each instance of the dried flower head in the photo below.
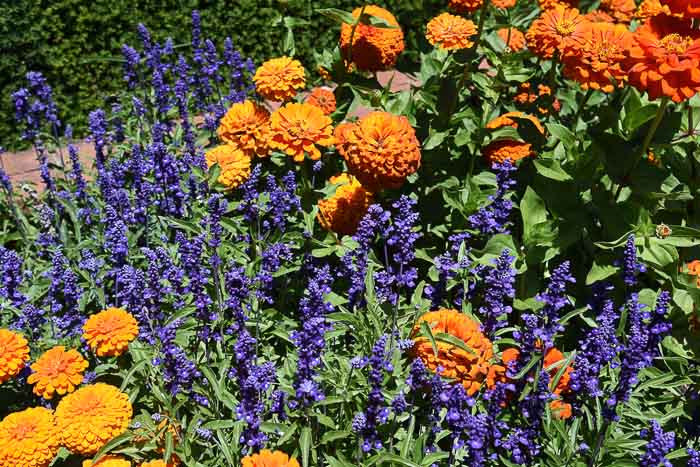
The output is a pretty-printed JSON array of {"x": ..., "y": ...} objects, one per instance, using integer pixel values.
[
  {"x": 469, "y": 368},
  {"x": 267, "y": 458},
  {"x": 559, "y": 29},
  {"x": 296, "y": 129},
  {"x": 450, "y": 32},
  {"x": 28, "y": 438},
  {"x": 246, "y": 126},
  {"x": 513, "y": 38},
  {"x": 279, "y": 79},
  {"x": 322, "y": 98},
  {"x": 342, "y": 212},
  {"x": 57, "y": 371},
  {"x": 91, "y": 416},
  {"x": 234, "y": 163},
  {"x": 381, "y": 150},
  {"x": 373, "y": 48},
  {"x": 109, "y": 332},
  {"x": 14, "y": 354}
]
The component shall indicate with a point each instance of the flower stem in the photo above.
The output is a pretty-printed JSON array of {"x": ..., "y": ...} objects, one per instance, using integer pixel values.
[
  {"x": 581, "y": 106},
  {"x": 599, "y": 444}
]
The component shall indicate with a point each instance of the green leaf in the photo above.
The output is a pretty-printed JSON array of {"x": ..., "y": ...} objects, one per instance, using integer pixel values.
[
  {"x": 551, "y": 169},
  {"x": 599, "y": 272},
  {"x": 434, "y": 140},
  {"x": 456, "y": 341},
  {"x": 426, "y": 331},
  {"x": 639, "y": 117},
  {"x": 337, "y": 15},
  {"x": 533, "y": 212},
  {"x": 305, "y": 445},
  {"x": 564, "y": 135}
]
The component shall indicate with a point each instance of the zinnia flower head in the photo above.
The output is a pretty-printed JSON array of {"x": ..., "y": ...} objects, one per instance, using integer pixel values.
[
  {"x": 322, "y": 98},
  {"x": 267, "y": 458},
  {"x": 234, "y": 163},
  {"x": 557, "y": 29},
  {"x": 57, "y": 371},
  {"x": 511, "y": 119},
  {"x": 513, "y": 38},
  {"x": 450, "y": 32},
  {"x": 91, "y": 416},
  {"x": 502, "y": 149},
  {"x": 279, "y": 79},
  {"x": 108, "y": 461},
  {"x": 547, "y": 4},
  {"x": 342, "y": 212},
  {"x": 687, "y": 8},
  {"x": 598, "y": 16},
  {"x": 158, "y": 463},
  {"x": 665, "y": 59},
  {"x": 600, "y": 62},
  {"x": 650, "y": 8},
  {"x": 693, "y": 268},
  {"x": 246, "y": 126},
  {"x": 503, "y": 4},
  {"x": 465, "y": 6},
  {"x": 469, "y": 368},
  {"x": 296, "y": 129},
  {"x": 109, "y": 332},
  {"x": 622, "y": 10},
  {"x": 28, "y": 438},
  {"x": 381, "y": 150},
  {"x": 373, "y": 48},
  {"x": 14, "y": 354}
]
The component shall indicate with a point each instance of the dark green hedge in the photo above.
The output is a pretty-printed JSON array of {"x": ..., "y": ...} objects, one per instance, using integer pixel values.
[{"x": 75, "y": 42}]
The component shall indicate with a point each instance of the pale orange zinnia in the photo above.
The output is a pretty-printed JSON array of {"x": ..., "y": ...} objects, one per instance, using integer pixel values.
[
  {"x": 558, "y": 29},
  {"x": 469, "y": 368},
  {"x": 343, "y": 211},
  {"x": 234, "y": 164},
  {"x": 267, "y": 458},
  {"x": 373, "y": 48},
  {"x": 513, "y": 38},
  {"x": 109, "y": 332},
  {"x": 246, "y": 126},
  {"x": 322, "y": 98},
  {"x": 57, "y": 371},
  {"x": 450, "y": 32},
  {"x": 29, "y": 438},
  {"x": 279, "y": 79},
  {"x": 296, "y": 129},
  {"x": 14, "y": 354}
]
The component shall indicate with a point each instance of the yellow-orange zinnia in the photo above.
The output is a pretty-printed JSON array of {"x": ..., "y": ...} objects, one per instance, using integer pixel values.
[
  {"x": 108, "y": 461},
  {"x": 513, "y": 38},
  {"x": 296, "y": 129},
  {"x": 342, "y": 212},
  {"x": 91, "y": 416},
  {"x": 267, "y": 458},
  {"x": 246, "y": 126},
  {"x": 109, "y": 332},
  {"x": 450, "y": 32},
  {"x": 322, "y": 98},
  {"x": 28, "y": 438},
  {"x": 57, "y": 371},
  {"x": 381, "y": 150},
  {"x": 234, "y": 163},
  {"x": 14, "y": 354},
  {"x": 557, "y": 29},
  {"x": 469, "y": 368},
  {"x": 279, "y": 79},
  {"x": 373, "y": 48}
]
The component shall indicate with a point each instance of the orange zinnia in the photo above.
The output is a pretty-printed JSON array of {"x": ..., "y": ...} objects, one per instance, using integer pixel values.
[
  {"x": 598, "y": 16},
  {"x": 267, "y": 458},
  {"x": 91, "y": 416},
  {"x": 373, "y": 48},
  {"x": 57, "y": 371},
  {"x": 322, "y": 98},
  {"x": 503, "y": 4},
  {"x": 450, "y": 32},
  {"x": 234, "y": 163},
  {"x": 547, "y": 4},
  {"x": 342, "y": 212},
  {"x": 557, "y": 29},
  {"x": 693, "y": 268},
  {"x": 465, "y": 6},
  {"x": 381, "y": 150},
  {"x": 651, "y": 8},
  {"x": 246, "y": 126},
  {"x": 469, "y": 368},
  {"x": 296, "y": 129},
  {"x": 507, "y": 149},
  {"x": 14, "y": 354},
  {"x": 665, "y": 59},
  {"x": 513, "y": 38},
  {"x": 109, "y": 332},
  {"x": 622, "y": 10},
  {"x": 28, "y": 438},
  {"x": 279, "y": 79},
  {"x": 108, "y": 461},
  {"x": 687, "y": 8},
  {"x": 511, "y": 118},
  {"x": 599, "y": 63}
]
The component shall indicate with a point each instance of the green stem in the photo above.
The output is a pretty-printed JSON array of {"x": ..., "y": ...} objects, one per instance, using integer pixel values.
[
  {"x": 352, "y": 38},
  {"x": 599, "y": 444},
  {"x": 581, "y": 106},
  {"x": 482, "y": 20}
]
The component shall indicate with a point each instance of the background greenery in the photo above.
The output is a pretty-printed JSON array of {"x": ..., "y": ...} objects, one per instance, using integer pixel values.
[{"x": 76, "y": 44}]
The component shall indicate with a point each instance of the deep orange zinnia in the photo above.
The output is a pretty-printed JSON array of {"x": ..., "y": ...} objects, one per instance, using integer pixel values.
[
  {"x": 665, "y": 59},
  {"x": 513, "y": 38},
  {"x": 598, "y": 16},
  {"x": 246, "y": 126},
  {"x": 381, "y": 150},
  {"x": 29, "y": 438},
  {"x": 108, "y": 461},
  {"x": 687, "y": 8},
  {"x": 622, "y": 10},
  {"x": 109, "y": 332},
  {"x": 267, "y": 458},
  {"x": 91, "y": 416},
  {"x": 450, "y": 32},
  {"x": 600, "y": 62},
  {"x": 465, "y": 6},
  {"x": 296, "y": 129},
  {"x": 503, "y": 4},
  {"x": 343, "y": 211},
  {"x": 547, "y": 4},
  {"x": 511, "y": 119},
  {"x": 14, "y": 354},
  {"x": 469, "y": 368},
  {"x": 650, "y": 8},
  {"x": 234, "y": 164},
  {"x": 373, "y": 48},
  {"x": 279, "y": 79},
  {"x": 559, "y": 29},
  {"x": 57, "y": 371},
  {"x": 501, "y": 150},
  {"x": 322, "y": 98}
]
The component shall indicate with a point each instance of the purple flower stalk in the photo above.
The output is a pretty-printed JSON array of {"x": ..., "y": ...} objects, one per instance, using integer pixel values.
[
  {"x": 631, "y": 267},
  {"x": 660, "y": 444},
  {"x": 494, "y": 218},
  {"x": 131, "y": 65},
  {"x": 499, "y": 288},
  {"x": 693, "y": 458}
]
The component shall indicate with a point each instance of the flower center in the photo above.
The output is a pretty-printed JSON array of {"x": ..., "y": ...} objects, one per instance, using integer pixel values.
[
  {"x": 56, "y": 367},
  {"x": 22, "y": 430},
  {"x": 565, "y": 27},
  {"x": 675, "y": 43}
]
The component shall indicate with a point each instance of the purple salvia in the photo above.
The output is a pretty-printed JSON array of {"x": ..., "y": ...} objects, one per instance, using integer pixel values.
[
  {"x": 499, "y": 289},
  {"x": 494, "y": 218},
  {"x": 659, "y": 445}
]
